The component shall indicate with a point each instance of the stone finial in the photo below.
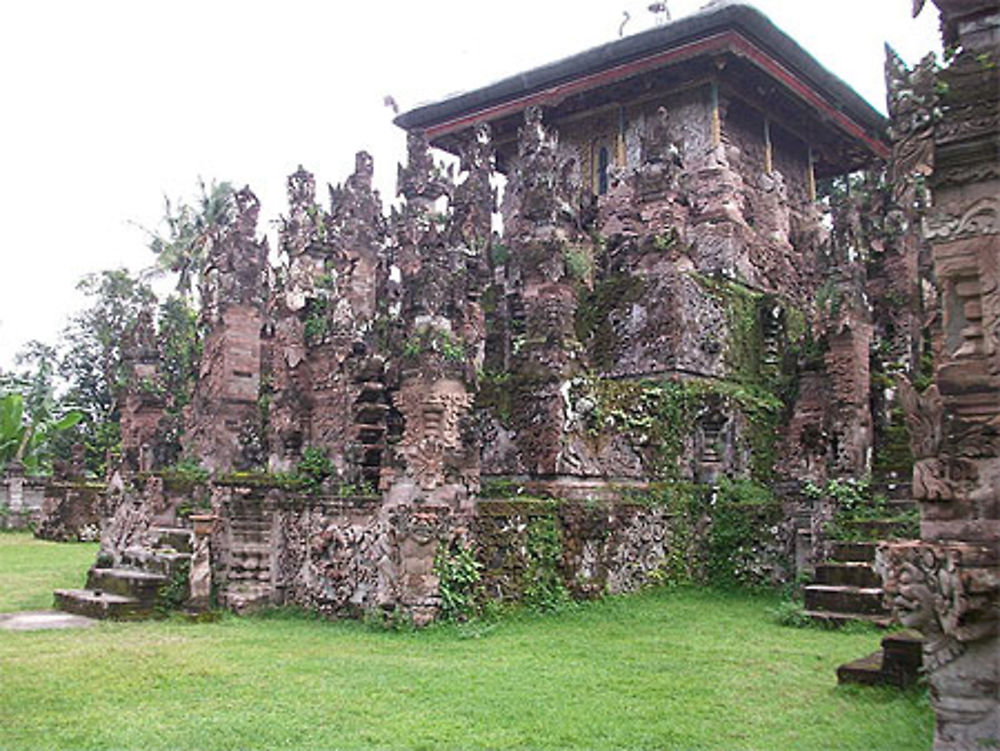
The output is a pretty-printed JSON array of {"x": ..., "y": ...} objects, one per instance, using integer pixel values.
[
  {"x": 301, "y": 188},
  {"x": 421, "y": 180}
]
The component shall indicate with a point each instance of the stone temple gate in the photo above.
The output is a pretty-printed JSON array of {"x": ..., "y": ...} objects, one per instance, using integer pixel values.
[{"x": 700, "y": 281}]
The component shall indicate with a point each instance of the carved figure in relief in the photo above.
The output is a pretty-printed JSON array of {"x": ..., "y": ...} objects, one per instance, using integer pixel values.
[
  {"x": 432, "y": 441},
  {"x": 948, "y": 592}
]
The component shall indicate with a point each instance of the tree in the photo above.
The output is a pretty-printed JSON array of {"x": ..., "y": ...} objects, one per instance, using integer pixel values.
[
  {"x": 93, "y": 364},
  {"x": 180, "y": 350},
  {"x": 27, "y": 438},
  {"x": 191, "y": 231}
]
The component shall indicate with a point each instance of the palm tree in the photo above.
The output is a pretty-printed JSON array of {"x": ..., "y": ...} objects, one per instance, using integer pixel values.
[{"x": 191, "y": 231}]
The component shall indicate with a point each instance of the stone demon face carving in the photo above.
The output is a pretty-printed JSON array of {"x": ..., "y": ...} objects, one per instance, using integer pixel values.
[
  {"x": 432, "y": 439},
  {"x": 945, "y": 590},
  {"x": 910, "y": 595}
]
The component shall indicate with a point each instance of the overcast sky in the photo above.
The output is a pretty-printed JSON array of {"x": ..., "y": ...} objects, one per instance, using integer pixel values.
[{"x": 107, "y": 106}]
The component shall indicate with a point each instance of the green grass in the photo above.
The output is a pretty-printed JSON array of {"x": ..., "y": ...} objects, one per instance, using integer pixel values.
[
  {"x": 688, "y": 669},
  {"x": 30, "y": 569}
]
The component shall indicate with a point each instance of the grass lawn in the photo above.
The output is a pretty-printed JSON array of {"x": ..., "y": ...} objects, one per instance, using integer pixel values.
[
  {"x": 30, "y": 569},
  {"x": 688, "y": 669}
]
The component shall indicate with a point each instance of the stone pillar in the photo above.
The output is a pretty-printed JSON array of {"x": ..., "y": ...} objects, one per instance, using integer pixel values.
[
  {"x": 200, "y": 572},
  {"x": 432, "y": 467},
  {"x": 324, "y": 363},
  {"x": 142, "y": 402},
  {"x": 548, "y": 250},
  {"x": 947, "y": 583},
  {"x": 15, "y": 485},
  {"x": 222, "y": 422}
]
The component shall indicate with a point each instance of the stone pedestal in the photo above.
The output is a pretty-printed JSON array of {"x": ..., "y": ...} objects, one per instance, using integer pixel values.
[{"x": 200, "y": 573}]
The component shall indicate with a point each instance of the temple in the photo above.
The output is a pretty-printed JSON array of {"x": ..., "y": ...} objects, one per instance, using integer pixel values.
[{"x": 656, "y": 321}]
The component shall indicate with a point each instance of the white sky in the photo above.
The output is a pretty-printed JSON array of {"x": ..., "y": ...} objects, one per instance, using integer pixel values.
[{"x": 106, "y": 105}]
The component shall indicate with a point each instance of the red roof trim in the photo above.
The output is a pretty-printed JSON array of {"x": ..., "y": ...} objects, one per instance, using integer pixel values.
[{"x": 728, "y": 41}]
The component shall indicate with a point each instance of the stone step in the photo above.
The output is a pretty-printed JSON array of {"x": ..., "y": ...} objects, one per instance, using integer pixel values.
[
  {"x": 153, "y": 561},
  {"x": 240, "y": 526},
  {"x": 126, "y": 582},
  {"x": 898, "y": 663},
  {"x": 866, "y": 671},
  {"x": 371, "y": 435},
  {"x": 836, "y": 620},
  {"x": 103, "y": 605},
  {"x": 841, "y": 599},
  {"x": 851, "y": 574},
  {"x": 250, "y": 548},
  {"x": 175, "y": 538},
  {"x": 849, "y": 552},
  {"x": 370, "y": 391},
  {"x": 903, "y": 657},
  {"x": 879, "y": 529},
  {"x": 246, "y": 596},
  {"x": 372, "y": 413}
]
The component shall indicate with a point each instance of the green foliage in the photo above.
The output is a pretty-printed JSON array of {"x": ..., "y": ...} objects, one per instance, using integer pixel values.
[
  {"x": 93, "y": 363},
  {"x": 173, "y": 593},
  {"x": 724, "y": 536},
  {"x": 459, "y": 581},
  {"x": 791, "y": 613},
  {"x": 593, "y": 322},
  {"x": 187, "y": 470},
  {"x": 657, "y": 415},
  {"x": 434, "y": 340},
  {"x": 27, "y": 438},
  {"x": 744, "y": 311},
  {"x": 180, "y": 351},
  {"x": 578, "y": 261},
  {"x": 451, "y": 349},
  {"x": 499, "y": 254},
  {"x": 665, "y": 242},
  {"x": 860, "y": 514},
  {"x": 744, "y": 519},
  {"x": 829, "y": 298},
  {"x": 544, "y": 589},
  {"x": 314, "y": 468},
  {"x": 317, "y": 323},
  {"x": 190, "y": 230}
]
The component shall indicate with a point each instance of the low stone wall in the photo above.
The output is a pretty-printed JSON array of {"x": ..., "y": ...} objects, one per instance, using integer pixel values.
[
  {"x": 70, "y": 511},
  {"x": 20, "y": 501},
  {"x": 611, "y": 547},
  {"x": 348, "y": 556}
]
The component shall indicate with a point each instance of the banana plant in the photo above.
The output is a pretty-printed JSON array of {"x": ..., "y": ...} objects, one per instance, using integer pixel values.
[{"x": 26, "y": 440}]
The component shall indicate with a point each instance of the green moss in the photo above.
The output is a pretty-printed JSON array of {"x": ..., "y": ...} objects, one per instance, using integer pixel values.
[
  {"x": 657, "y": 415},
  {"x": 316, "y": 322},
  {"x": 892, "y": 454},
  {"x": 578, "y": 261},
  {"x": 500, "y": 393},
  {"x": 743, "y": 308},
  {"x": 593, "y": 314}
]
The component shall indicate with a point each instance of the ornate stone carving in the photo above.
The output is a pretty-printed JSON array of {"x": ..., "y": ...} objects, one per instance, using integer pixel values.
[
  {"x": 432, "y": 445},
  {"x": 981, "y": 218},
  {"x": 949, "y": 593}
]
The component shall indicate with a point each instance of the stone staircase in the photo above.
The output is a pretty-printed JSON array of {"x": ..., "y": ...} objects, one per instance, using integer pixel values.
[
  {"x": 131, "y": 589},
  {"x": 247, "y": 564},
  {"x": 846, "y": 586},
  {"x": 898, "y": 663}
]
